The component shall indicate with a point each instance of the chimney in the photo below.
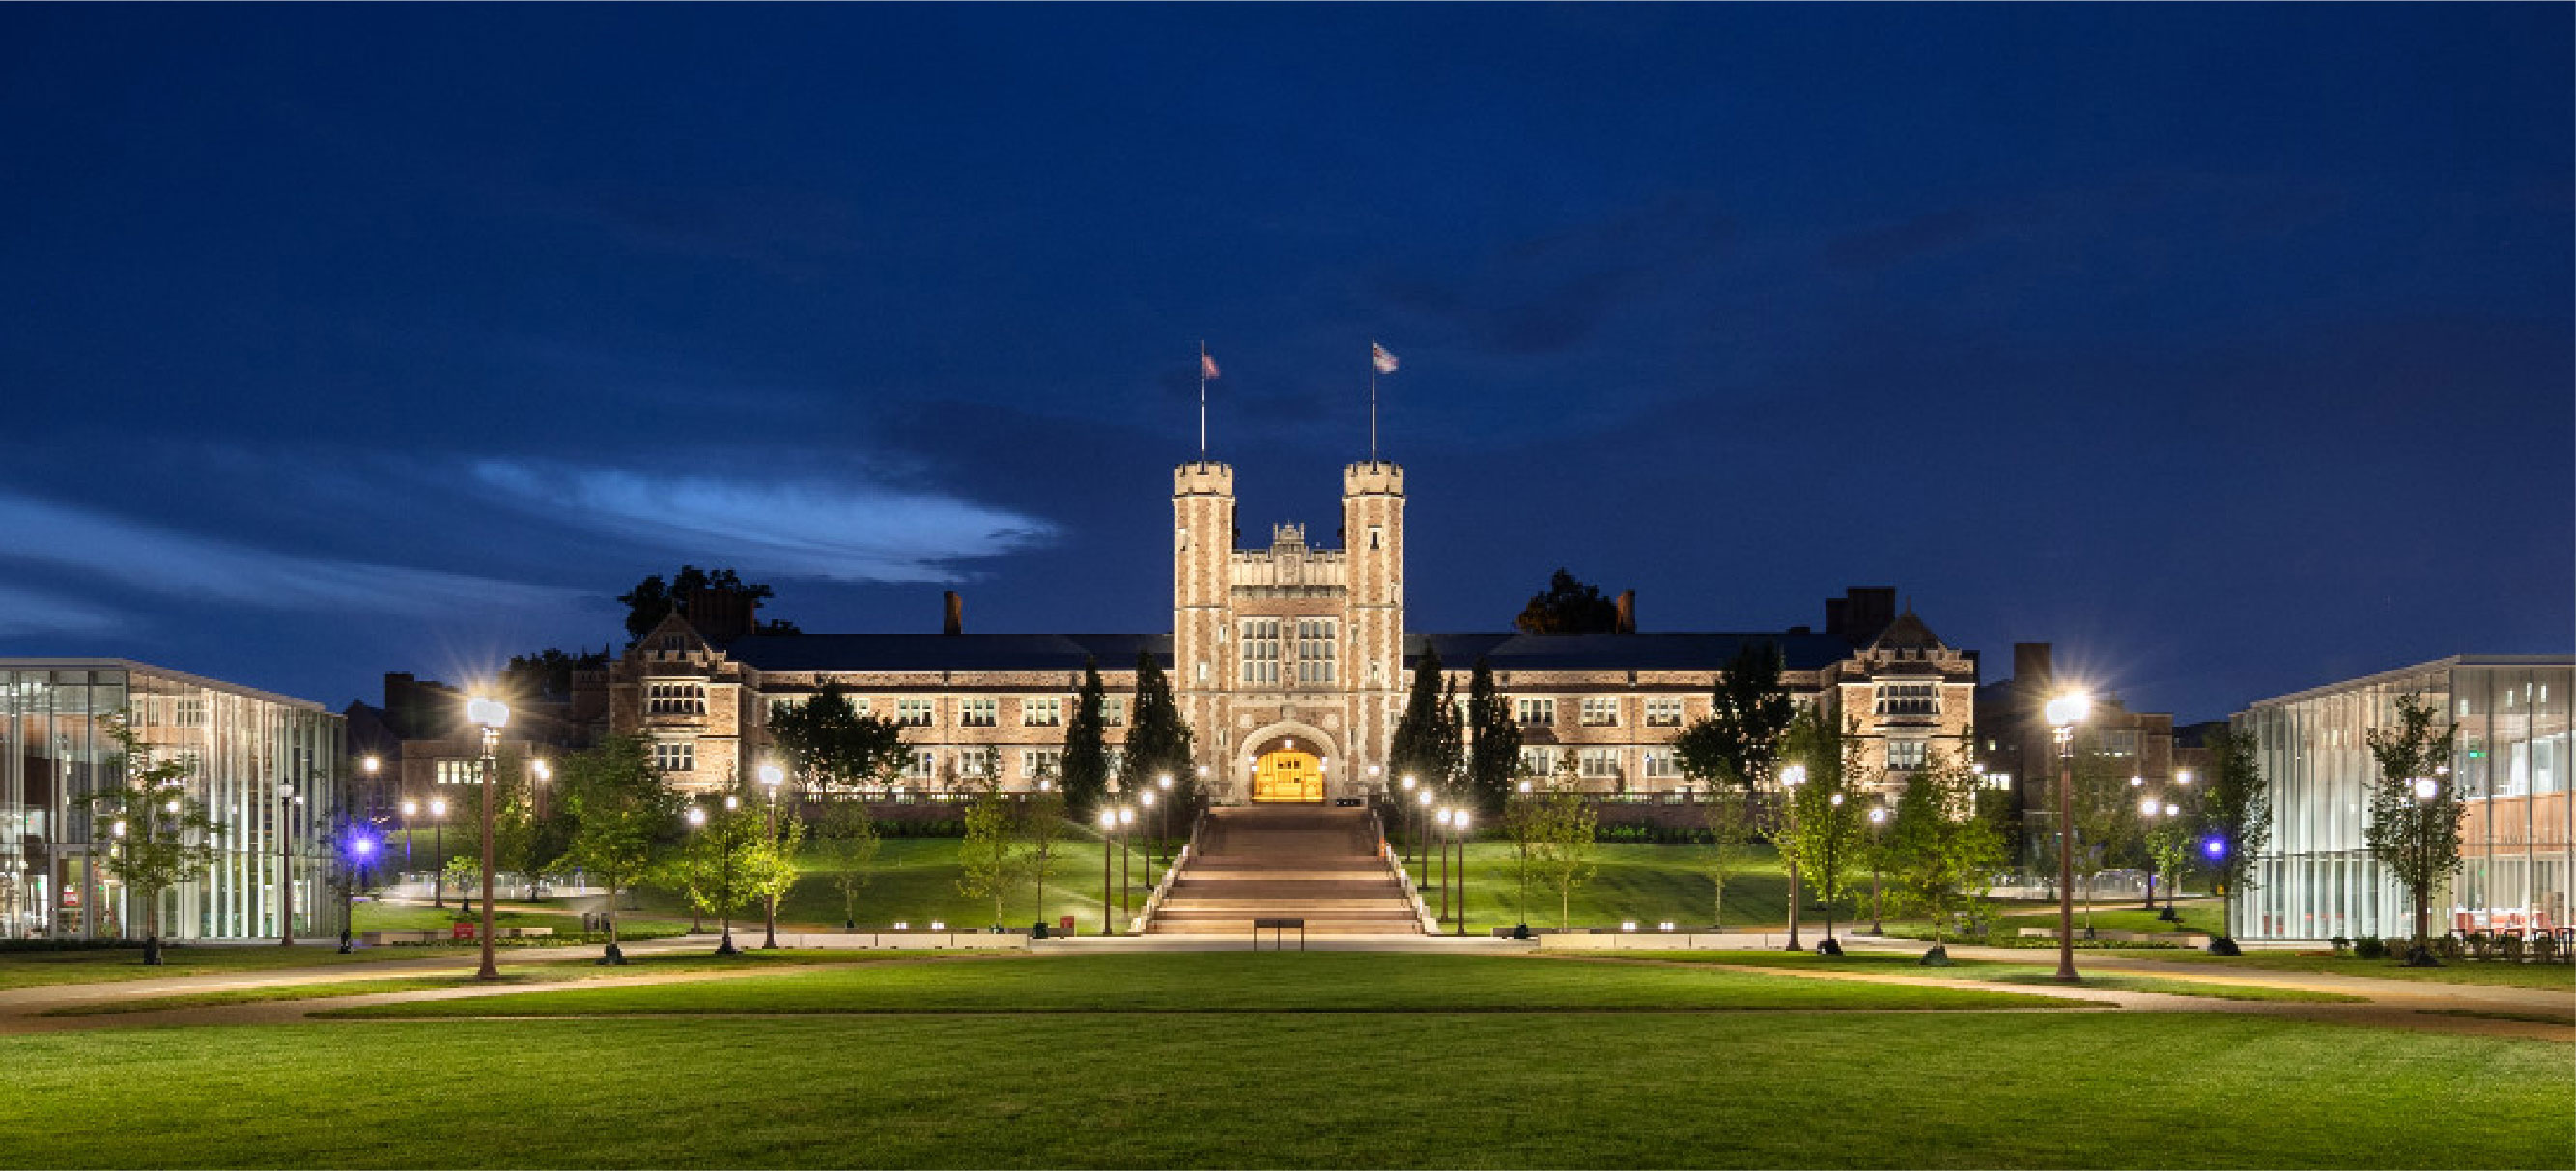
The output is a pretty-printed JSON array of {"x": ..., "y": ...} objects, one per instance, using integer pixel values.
[
  {"x": 1626, "y": 623},
  {"x": 955, "y": 620},
  {"x": 1833, "y": 615},
  {"x": 720, "y": 616},
  {"x": 2032, "y": 670}
]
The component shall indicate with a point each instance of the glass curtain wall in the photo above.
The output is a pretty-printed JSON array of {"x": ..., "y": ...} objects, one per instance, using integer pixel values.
[
  {"x": 2317, "y": 880},
  {"x": 267, "y": 768}
]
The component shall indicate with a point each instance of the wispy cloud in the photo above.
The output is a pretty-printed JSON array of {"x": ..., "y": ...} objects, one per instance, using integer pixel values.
[
  {"x": 796, "y": 527},
  {"x": 154, "y": 559},
  {"x": 29, "y": 612}
]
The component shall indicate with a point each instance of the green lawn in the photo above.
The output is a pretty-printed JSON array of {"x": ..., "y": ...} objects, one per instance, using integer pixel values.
[
  {"x": 1751, "y": 1089},
  {"x": 31, "y": 968},
  {"x": 545, "y": 974},
  {"x": 2558, "y": 976},
  {"x": 915, "y": 880},
  {"x": 405, "y": 917},
  {"x": 1223, "y": 981},
  {"x": 1991, "y": 971},
  {"x": 1649, "y": 884}
]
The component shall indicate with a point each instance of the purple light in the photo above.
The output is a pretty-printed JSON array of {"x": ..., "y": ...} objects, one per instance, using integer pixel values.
[
  {"x": 362, "y": 847},
  {"x": 2215, "y": 847}
]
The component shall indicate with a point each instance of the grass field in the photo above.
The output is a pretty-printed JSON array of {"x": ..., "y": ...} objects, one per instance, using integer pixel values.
[
  {"x": 1990, "y": 971},
  {"x": 2075, "y": 1089},
  {"x": 1223, "y": 982},
  {"x": 2558, "y": 976},
  {"x": 31, "y": 968}
]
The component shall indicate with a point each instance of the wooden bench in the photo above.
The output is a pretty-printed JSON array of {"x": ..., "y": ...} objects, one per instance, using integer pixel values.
[{"x": 1279, "y": 933}]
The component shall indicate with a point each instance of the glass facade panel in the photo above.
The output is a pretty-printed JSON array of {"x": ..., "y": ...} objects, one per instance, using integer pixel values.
[
  {"x": 267, "y": 768},
  {"x": 2518, "y": 840}
]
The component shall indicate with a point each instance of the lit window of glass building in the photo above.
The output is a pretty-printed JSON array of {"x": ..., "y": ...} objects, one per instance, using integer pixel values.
[
  {"x": 267, "y": 767},
  {"x": 2512, "y": 759}
]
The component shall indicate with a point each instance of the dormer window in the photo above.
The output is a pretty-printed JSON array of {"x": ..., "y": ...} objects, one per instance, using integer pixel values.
[{"x": 675, "y": 643}]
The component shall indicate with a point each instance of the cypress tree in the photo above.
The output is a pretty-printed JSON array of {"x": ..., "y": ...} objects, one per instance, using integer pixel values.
[
  {"x": 1415, "y": 747},
  {"x": 1085, "y": 771},
  {"x": 1494, "y": 750},
  {"x": 1158, "y": 739}
]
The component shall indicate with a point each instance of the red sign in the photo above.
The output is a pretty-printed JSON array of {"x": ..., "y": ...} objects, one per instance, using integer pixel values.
[{"x": 462, "y": 931}]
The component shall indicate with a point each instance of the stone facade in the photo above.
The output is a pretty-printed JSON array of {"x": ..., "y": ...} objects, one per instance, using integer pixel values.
[{"x": 1290, "y": 662}]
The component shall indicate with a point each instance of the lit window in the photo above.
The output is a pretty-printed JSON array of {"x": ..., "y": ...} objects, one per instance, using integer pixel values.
[
  {"x": 1664, "y": 711},
  {"x": 457, "y": 772},
  {"x": 1662, "y": 764},
  {"x": 1905, "y": 755},
  {"x": 675, "y": 756},
  {"x": 1600, "y": 711},
  {"x": 1260, "y": 646},
  {"x": 1041, "y": 762},
  {"x": 1909, "y": 699},
  {"x": 1042, "y": 711},
  {"x": 925, "y": 765},
  {"x": 1538, "y": 760},
  {"x": 675, "y": 699},
  {"x": 1535, "y": 712},
  {"x": 912, "y": 713},
  {"x": 978, "y": 713},
  {"x": 1113, "y": 711},
  {"x": 1599, "y": 763},
  {"x": 1315, "y": 650}
]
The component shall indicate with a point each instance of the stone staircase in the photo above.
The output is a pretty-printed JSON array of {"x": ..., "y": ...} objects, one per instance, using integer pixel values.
[{"x": 1311, "y": 862}]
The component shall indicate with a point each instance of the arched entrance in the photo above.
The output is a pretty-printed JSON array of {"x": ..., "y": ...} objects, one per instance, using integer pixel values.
[{"x": 1286, "y": 774}]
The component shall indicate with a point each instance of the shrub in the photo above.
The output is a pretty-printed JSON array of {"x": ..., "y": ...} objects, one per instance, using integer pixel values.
[
  {"x": 2370, "y": 947},
  {"x": 2340, "y": 944}
]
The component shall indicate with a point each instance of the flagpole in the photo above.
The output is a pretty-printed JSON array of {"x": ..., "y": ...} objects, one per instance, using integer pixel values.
[
  {"x": 1202, "y": 400},
  {"x": 1372, "y": 400}
]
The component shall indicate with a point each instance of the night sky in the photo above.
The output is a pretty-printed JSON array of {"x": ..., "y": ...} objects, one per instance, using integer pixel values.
[{"x": 2227, "y": 347}]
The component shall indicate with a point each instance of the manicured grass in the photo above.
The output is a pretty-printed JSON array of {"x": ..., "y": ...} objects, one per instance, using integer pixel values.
[
  {"x": 2497, "y": 1014},
  {"x": 546, "y": 974},
  {"x": 2121, "y": 916},
  {"x": 1649, "y": 884},
  {"x": 1993, "y": 971},
  {"x": 406, "y": 917},
  {"x": 1520, "y": 1090},
  {"x": 915, "y": 880},
  {"x": 33, "y": 968},
  {"x": 1223, "y": 981},
  {"x": 2503, "y": 975}
]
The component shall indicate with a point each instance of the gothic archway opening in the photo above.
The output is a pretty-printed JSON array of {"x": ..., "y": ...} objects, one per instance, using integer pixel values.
[{"x": 1286, "y": 774}]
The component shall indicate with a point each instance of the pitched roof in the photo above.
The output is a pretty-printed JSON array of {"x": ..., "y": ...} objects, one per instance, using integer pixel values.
[
  {"x": 1678, "y": 651},
  {"x": 946, "y": 652},
  {"x": 1907, "y": 633}
]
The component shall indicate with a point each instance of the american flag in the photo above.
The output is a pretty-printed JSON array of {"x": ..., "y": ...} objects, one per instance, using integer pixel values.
[
  {"x": 1207, "y": 365},
  {"x": 1384, "y": 360}
]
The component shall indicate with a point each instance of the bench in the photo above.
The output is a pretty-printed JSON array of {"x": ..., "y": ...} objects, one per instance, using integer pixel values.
[{"x": 1279, "y": 933}]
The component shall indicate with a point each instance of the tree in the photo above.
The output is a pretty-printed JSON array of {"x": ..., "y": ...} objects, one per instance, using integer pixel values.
[
  {"x": 849, "y": 840},
  {"x": 1568, "y": 606},
  {"x": 1739, "y": 738},
  {"x": 2106, "y": 820},
  {"x": 2415, "y": 811},
  {"x": 2237, "y": 809},
  {"x": 1561, "y": 833},
  {"x": 1520, "y": 819},
  {"x": 548, "y": 673},
  {"x": 623, "y": 819},
  {"x": 1943, "y": 848},
  {"x": 157, "y": 835},
  {"x": 1424, "y": 744},
  {"x": 2170, "y": 839},
  {"x": 652, "y": 600},
  {"x": 1728, "y": 815},
  {"x": 990, "y": 859},
  {"x": 723, "y": 869},
  {"x": 1493, "y": 742},
  {"x": 1086, "y": 745},
  {"x": 1041, "y": 825},
  {"x": 1828, "y": 833},
  {"x": 826, "y": 740},
  {"x": 520, "y": 845},
  {"x": 1158, "y": 739}
]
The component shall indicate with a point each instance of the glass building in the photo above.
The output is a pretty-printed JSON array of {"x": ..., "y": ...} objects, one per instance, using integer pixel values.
[
  {"x": 2512, "y": 760},
  {"x": 267, "y": 767}
]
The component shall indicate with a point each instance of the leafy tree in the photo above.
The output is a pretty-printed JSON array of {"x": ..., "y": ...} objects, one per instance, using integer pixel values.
[
  {"x": 1042, "y": 824},
  {"x": 623, "y": 819},
  {"x": 2106, "y": 820},
  {"x": 2170, "y": 840},
  {"x": 1943, "y": 848},
  {"x": 1158, "y": 738},
  {"x": 1520, "y": 820},
  {"x": 1561, "y": 834},
  {"x": 2415, "y": 810},
  {"x": 1086, "y": 745},
  {"x": 1568, "y": 606},
  {"x": 777, "y": 869},
  {"x": 2237, "y": 809},
  {"x": 157, "y": 835},
  {"x": 1493, "y": 742},
  {"x": 1728, "y": 815},
  {"x": 991, "y": 858},
  {"x": 1737, "y": 742},
  {"x": 519, "y": 843},
  {"x": 849, "y": 840},
  {"x": 724, "y": 868},
  {"x": 548, "y": 673},
  {"x": 827, "y": 741},
  {"x": 652, "y": 599},
  {"x": 1827, "y": 834}
]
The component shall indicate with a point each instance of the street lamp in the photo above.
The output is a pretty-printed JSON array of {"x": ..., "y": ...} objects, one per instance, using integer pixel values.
[
  {"x": 771, "y": 777},
  {"x": 1877, "y": 824},
  {"x": 1108, "y": 830},
  {"x": 2064, "y": 712},
  {"x": 1791, "y": 777},
  {"x": 1458, "y": 828},
  {"x": 1126, "y": 820},
  {"x": 490, "y": 715},
  {"x": 1146, "y": 798},
  {"x": 438, "y": 851},
  {"x": 285, "y": 862},
  {"x": 697, "y": 819},
  {"x": 1422, "y": 833},
  {"x": 1441, "y": 818},
  {"x": 361, "y": 848}
]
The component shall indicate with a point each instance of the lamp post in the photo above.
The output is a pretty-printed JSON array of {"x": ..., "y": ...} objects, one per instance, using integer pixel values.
[
  {"x": 2147, "y": 807},
  {"x": 771, "y": 777},
  {"x": 724, "y": 917},
  {"x": 2064, "y": 712},
  {"x": 1422, "y": 832},
  {"x": 1162, "y": 824},
  {"x": 410, "y": 809},
  {"x": 697, "y": 820},
  {"x": 1126, "y": 819},
  {"x": 1407, "y": 802},
  {"x": 1877, "y": 824},
  {"x": 1833, "y": 868},
  {"x": 1458, "y": 826},
  {"x": 1146, "y": 798},
  {"x": 490, "y": 715},
  {"x": 438, "y": 852},
  {"x": 539, "y": 773},
  {"x": 1108, "y": 831},
  {"x": 1440, "y": 818},
  {"x": 285, "y": 863},
  {"x": 361, "y": 848},
  {"x": 1791, "y": 777}
]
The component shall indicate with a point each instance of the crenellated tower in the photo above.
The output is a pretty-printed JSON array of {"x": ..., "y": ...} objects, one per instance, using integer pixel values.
[
  {"x": 1202, "y": 608},
  {"x": 1373, "y": 537}
]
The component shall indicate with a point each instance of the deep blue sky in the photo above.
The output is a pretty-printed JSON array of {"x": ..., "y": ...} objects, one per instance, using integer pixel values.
[{"x": 2227, "y": 347}]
